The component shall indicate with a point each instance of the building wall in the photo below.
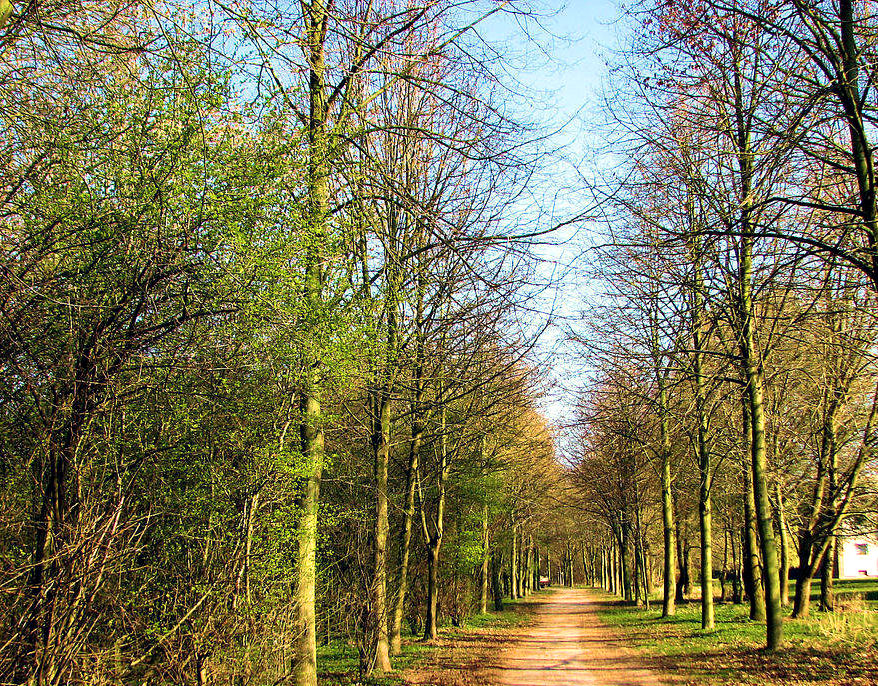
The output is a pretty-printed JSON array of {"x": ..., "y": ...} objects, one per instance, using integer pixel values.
[{"x": 858, "y": 557}]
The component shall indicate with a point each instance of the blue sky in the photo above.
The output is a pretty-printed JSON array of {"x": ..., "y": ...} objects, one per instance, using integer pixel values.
[
  {"x": 558, "y": 58},
  {"x": 560, "y": 68}
]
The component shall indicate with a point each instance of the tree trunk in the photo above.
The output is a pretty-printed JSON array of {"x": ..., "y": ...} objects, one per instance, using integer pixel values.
[
  {"x": 669, "y": 569},
  {"x": 496, "y": 569},
  {"x": 827, "y": 596},
  {"x": 706, "y": 530},
  {"x": 605, "y": 569},
  {"x": 802, "y": 601},
  {"x": 431, "y": 625},
  {"x": 486, "y": 553},
  {"x": 413, "y": 466},
  {"x": 754, "y": 373},
  {"x": 682, "y": 561},
  {"x": 755, "y": 392},
  {"x": 784, "y": 546},
  {"x": 614, "y": 569},
  {"x": 405, "y": 542},
  {"x": 513, "y": 562},
  {"x": 752, "y": 571},
  {"x": 382, "y": 458},
  {"x": 305, "y": 616},
  {"x": 625, "y": 564},
  {"x": 434, "y": 540},
  {"x": 737, "y": 595},
  {"x": 827, "y": 590},
  {"x": 585, "y": 566},
  {"x": 311, "y": 431},
  {"x": 705, "y": 516}
]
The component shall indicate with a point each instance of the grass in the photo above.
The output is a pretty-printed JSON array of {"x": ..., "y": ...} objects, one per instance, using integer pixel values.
[
  {"x": 866, "y": 588},
  {"x": 827, "y": 648},
  {"x": 338, "y": 662}
]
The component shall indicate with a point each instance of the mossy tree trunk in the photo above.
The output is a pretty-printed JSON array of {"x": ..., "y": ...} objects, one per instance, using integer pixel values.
[{"x": 311, "y": 429}]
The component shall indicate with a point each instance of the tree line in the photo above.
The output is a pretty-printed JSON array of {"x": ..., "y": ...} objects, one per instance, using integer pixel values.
[
  {"x": 732, "y": 405},
  {"x": 267, "y": 383}
]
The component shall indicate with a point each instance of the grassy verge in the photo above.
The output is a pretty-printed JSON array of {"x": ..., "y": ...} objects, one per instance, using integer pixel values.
[
  {"x": 827, "y": 648},
  {"x": 457, "y": 649}
]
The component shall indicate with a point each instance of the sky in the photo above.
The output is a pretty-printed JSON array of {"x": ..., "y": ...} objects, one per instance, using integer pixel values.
[{"x": 561, "y": 68}]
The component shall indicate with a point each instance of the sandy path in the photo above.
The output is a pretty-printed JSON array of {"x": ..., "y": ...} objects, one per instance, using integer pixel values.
[{"x": 568, "y": 644}]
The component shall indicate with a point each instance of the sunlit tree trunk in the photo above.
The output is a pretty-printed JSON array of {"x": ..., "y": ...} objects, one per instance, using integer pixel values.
[
  {"x": 486, "y": 554},
  {"x": 417, "y": 438},
  {"x": 434, "y": 538},
  {"x": 305, "y": 617},
  {"x": 382, "y": 458},
  {"x": 702, "y": 444},
  {"x": 669, "y": 569},
  {"x": 755, "y": 393}
]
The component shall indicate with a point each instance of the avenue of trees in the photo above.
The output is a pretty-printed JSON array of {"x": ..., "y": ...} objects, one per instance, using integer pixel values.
[
  {"x": 269, "y": 328},
  {"x": 266, "y": 379},
  {"x": 732, "y": 411}
]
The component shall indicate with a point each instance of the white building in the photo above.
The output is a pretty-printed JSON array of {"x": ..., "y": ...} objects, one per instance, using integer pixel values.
[{"x": 858, "y": 556}]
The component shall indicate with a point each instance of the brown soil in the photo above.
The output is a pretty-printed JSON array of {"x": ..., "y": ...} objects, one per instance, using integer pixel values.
[{"x": 569, "y": 645}]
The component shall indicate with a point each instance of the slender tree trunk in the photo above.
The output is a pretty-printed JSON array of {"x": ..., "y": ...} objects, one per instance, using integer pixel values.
[
  {"x": 615, "y": 573},
  {"x": 527, "y": 560},
  {"x": 764, "y": 515},
  {"x": 827, "y": 590},
  {"x": 311, "y": 429},
  {"x": 305, "y": 616},
  {"x": 737, "y": 595},
  {"x": 724, "y": 574},
  {"x": 431, "y": 625},
  {"x": 682, "y": 558},
  {"x": 669, "y": 569},
  {"x": 382, "y": 458},
  {"x": 755, "y": 376},
  {"x": 614, "y": 569},
  {"x": 750, "y": 549},
  {"x": 625, "y": 564},
  {"x": 486, "y": 554},
  {"x": 848, "y": 91},
  {"x": 413, "y": 466},
  {"x": 405, "y": 543},
  {"x": 702, "y": 444},
  {"x": 535, "y": 575},
  {"x": 531, "y": 553},
  {"x": 496, "y": 569},
  {"x": 513, "y": 562},
  {"x": 784, "y": 546},
  {"x": 827, "y": 595},
  {"x": 605, "y": 574},
  {"x": 706, "y": 530},
  {"x": 585, "y": 571}
]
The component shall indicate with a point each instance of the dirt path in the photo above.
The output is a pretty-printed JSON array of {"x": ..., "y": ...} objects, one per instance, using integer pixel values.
[{"x": 568, "y": 644}]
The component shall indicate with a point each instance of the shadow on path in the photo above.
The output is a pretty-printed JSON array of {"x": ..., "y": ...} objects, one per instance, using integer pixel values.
[{"x": 568, "y": 645}]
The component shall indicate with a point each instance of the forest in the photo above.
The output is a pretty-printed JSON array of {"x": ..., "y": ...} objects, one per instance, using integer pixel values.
[{"x": 277, "y": 283}]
